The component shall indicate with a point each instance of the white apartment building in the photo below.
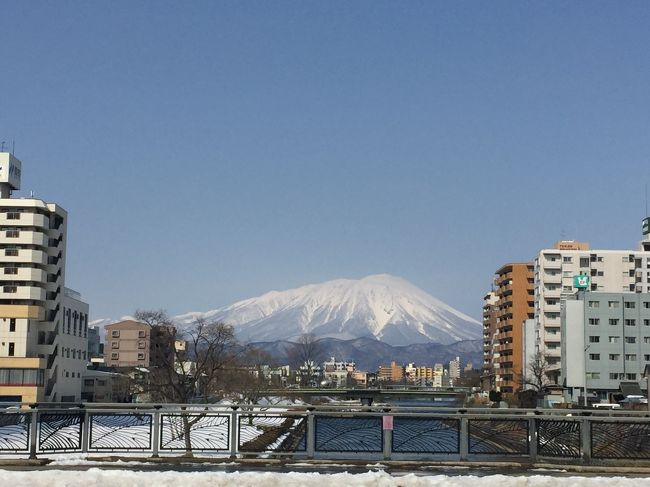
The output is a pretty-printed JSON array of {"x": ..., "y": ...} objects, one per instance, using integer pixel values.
[
  {"x": 616, "y": 271},
  {"x": 43, "y": 326}
]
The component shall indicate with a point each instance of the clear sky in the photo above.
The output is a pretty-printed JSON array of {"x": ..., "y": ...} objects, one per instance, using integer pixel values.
[{"x": 211, "y": 151}]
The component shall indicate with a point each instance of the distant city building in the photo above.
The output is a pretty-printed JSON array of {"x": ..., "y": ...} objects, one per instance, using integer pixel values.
[
  {"x": 95, "y": 347},
  {"x": 43, "y": 325},
  {"x": 392, "y": 372},
  {"x": 607, "y": 336},
  {"x": 454, "y": 369},
  {"x": 440, "y": 376}
]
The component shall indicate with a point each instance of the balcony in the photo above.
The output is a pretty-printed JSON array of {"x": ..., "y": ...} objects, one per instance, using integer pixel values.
[
  {"x": 23, "y": 256},
  {"x": 21, "y": 274},
  {"x": 19, "y": 219},
  {"x": 25, "y": 237},
  {"x": 22, "y": 292}
]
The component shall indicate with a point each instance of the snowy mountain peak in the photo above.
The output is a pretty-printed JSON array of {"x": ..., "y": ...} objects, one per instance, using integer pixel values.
[{"x": 386, "y": 307}]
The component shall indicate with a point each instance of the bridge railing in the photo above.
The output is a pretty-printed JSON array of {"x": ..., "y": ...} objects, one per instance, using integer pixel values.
[{"x": 329, "y": 432}]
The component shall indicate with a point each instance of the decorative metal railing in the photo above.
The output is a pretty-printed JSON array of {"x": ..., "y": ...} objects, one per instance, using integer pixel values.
[{"x": 335, "y": 432}]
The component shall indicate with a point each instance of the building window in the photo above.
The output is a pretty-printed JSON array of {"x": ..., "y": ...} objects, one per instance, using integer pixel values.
[
  {"x": 593, "y": 375},
  {"x": 646, "y": 339},
  {"x": 646, "y": 304},
  {"x": 12, "y": 324},
  {"x": 594, "y": 339},
  {"x": 646, "y": 322},
  {"x": 115, "y": 356},
  {"x": 584, "y": 262},
  {"x": 12, "y": 233},
  {"x": 630, "y": 357},
  {"x": 614, "y": 356},
  {"x": 10, "y": 289},
  {"x": 115, "y": 333},
  {"x": 11, "y": 270},
  {"x": 141, "y": 345},
  {"x": 594, "y": 304},
  {"x": 630, "y": 339},
  {"x": 614, "y": 339},
  {"x": 594, "y": 356},
  {"x": 142, "y": 334},
  {"x": 613, "y": 304},
  {"x": 11, "y": 252},
  {"x": 613, "y": 321},
  {"x": 115, "y": 344},
  {"x": 629, "y": 304},
  {"x": 140, "y": 355},
  {"x": 566, "y": 259},
  {"x": 615, "y": 376},
  {"x": 594, "y": 321},
  {"x": 646, "y": 357},
  {"x": 630, "y": 376},
  {"x": 12, "y": 348},
  {"x": 630, "y": 322},
  {"x": 89, "y": 382}
]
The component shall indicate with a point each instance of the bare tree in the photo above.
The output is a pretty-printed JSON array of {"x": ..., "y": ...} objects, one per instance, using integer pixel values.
[
  {"x": 187, "y": 363},
  {"x": 304, "y": 355},
  {"x": 536, "y": 374}
]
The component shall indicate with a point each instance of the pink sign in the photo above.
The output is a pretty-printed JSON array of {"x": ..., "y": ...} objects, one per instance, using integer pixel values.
[{"x": 388, "y": 423}]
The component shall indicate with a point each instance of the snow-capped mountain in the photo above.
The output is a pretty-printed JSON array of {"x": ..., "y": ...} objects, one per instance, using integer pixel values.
[{"x": 388, "y": 308}]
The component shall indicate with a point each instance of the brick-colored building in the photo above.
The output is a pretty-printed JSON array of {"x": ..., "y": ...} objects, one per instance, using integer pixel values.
[{"x": 515, "y": 293}]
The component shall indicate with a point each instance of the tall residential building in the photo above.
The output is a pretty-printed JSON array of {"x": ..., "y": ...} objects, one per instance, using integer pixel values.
[
  {"x": 490, "y": 310},
  {"x": 616, "y": 271},
  {"x": 43, "y": 325},
  {"x": 515, "y": 304}
]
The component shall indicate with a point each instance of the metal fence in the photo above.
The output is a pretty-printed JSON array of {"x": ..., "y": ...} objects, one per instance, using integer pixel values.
[{"x": 336, "y": 432}]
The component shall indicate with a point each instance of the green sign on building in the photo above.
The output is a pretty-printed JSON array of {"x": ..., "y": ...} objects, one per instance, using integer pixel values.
[
  {"x": 645, "y": 229},
  {"x": 581, "y": 282}
]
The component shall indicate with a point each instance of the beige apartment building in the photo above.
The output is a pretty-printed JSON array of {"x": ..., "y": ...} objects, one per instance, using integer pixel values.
[
  {"x": 43, "y": 325},
  {"x": 134, "y": 344}
]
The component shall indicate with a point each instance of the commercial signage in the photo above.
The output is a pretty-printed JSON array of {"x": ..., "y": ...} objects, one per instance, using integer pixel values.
[
  {"x": 645, "y": 229},
  {"x": 581, "y": 282}
]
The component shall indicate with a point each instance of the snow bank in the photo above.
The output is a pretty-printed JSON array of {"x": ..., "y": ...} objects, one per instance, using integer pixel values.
[{"x": 127, "y": 478}]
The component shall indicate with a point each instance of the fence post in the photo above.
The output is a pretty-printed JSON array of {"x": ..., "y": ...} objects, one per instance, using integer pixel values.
[
  {"x": 532, "y": 439},
  {"x": 234, "y": 426},
  {"x": 464, "y": 437},
  {"x": 33, "y": 434},
  {"x": 311, "y": 434},
  {"x": 585, "y": 434},
  {"x": 85, "y": 432},
  {"x": 155, "y": 433}
]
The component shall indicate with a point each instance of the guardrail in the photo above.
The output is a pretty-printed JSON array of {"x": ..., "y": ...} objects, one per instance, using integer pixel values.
[{"x": 330, "y": 432}]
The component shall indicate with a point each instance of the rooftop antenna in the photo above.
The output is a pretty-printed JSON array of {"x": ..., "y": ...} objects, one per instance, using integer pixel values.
[{"x": 13, "y": 146}]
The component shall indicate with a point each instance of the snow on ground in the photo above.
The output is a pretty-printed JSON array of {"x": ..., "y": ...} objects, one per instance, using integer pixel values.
[{"x": 127, "y": 478}]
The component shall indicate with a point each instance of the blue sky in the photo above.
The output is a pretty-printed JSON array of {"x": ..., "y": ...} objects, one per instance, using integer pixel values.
[{"x": 211, "y": 151}]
